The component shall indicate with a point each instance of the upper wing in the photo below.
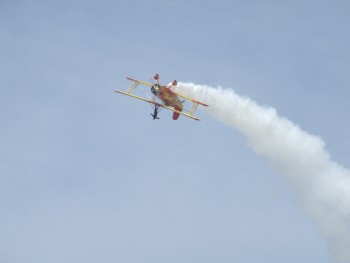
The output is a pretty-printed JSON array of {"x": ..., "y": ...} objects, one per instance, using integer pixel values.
[
  {"x": 190, "y": 99},
  {"x": 140, "y": 82}
]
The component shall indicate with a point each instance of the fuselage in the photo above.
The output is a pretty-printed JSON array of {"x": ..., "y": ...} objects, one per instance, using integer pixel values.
[{"x": 168, "y": 97}]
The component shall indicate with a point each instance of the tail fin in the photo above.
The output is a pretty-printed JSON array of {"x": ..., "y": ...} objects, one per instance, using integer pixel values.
[{"x": 176, "y": 114}]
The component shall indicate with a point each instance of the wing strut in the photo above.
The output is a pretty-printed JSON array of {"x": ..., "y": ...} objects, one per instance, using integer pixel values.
[
  {"x": 132, "y": 88},
  {"x": 193, "y": 108}
]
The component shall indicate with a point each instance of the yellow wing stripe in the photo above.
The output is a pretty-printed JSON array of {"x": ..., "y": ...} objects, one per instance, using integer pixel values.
[
  {"x": 140, "y": 82},
  {"x": 190, "y": 99}
]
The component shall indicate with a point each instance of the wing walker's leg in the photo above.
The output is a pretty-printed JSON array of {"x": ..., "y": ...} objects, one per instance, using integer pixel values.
[
  {"x": 155, "y": 113},
  {"x": 156, "y": 107}
]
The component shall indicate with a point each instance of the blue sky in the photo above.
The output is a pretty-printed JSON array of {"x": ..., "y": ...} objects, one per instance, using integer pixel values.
[{"x": 87, "y": 176}]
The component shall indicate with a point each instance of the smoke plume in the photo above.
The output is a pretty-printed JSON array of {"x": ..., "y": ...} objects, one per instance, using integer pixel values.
[{"x": 321, "y": 185}]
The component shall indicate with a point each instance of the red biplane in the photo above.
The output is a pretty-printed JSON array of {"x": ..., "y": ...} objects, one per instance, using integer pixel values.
[{"x": 164, "y": 97}]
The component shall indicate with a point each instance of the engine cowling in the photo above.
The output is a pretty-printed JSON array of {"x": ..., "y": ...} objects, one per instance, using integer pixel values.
[{"x": 155, "y": 89}]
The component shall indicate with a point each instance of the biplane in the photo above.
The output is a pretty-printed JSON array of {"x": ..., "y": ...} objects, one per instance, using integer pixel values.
[{"x": 164, "y": 97}]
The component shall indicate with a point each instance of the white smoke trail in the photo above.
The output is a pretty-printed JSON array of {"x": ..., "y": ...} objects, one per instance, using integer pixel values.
[{"x": 322, "y": 186}]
